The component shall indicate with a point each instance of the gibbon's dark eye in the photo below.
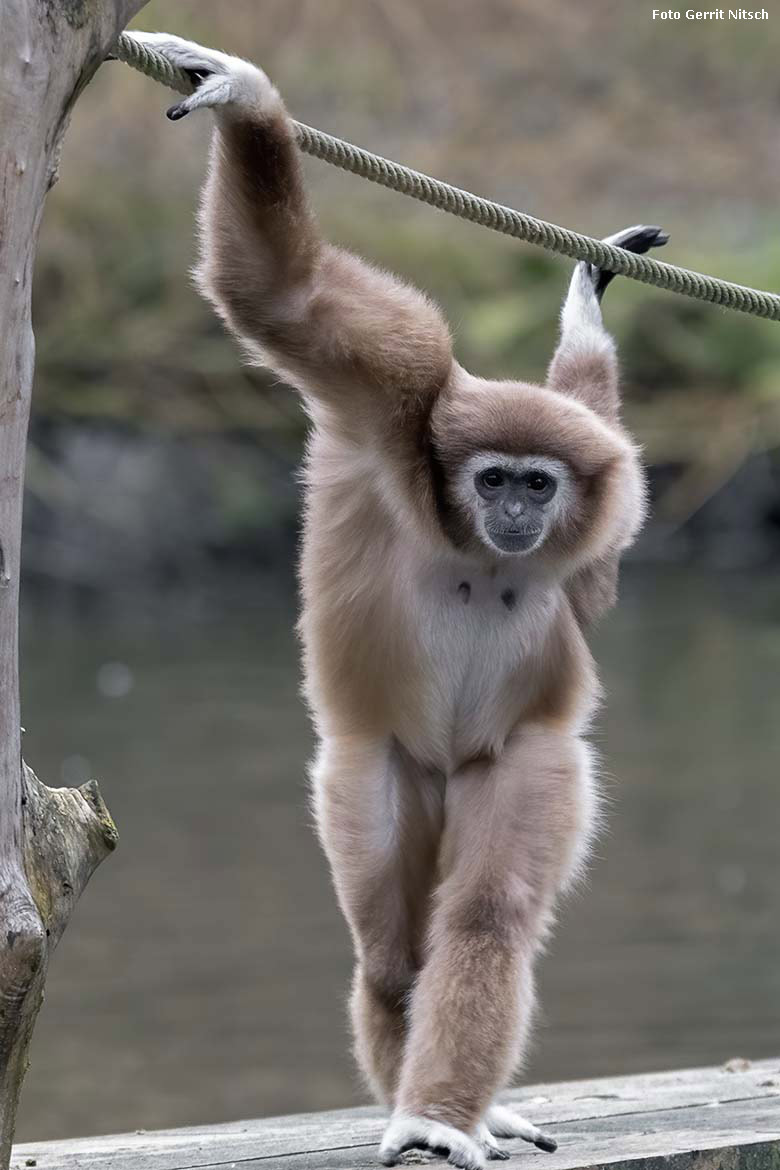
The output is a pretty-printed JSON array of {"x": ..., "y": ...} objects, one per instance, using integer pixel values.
[
  {"x": 492, "y": 478},
  {"x": 538, "y": 481}
]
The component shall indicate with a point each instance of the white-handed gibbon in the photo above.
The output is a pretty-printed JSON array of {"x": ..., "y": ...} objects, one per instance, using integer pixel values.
[{"x": 459, "y": 534}]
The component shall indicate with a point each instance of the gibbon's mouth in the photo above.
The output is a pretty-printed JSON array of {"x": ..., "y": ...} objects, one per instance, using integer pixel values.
[{"x": 513, "y": 540}]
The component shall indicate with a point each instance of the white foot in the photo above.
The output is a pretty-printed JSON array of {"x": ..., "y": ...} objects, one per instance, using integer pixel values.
[
  {"x": 505, "y": 1123},
  {"x": 219, "y": 79},
  {"x": 488, "y": 1144},
  {"x": 409, "y": 1132}
]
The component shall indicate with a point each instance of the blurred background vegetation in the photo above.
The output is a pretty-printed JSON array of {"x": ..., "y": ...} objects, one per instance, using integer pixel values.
[
  {"x": 149, "y": 436},
  {"x": 204, "y": 977}
]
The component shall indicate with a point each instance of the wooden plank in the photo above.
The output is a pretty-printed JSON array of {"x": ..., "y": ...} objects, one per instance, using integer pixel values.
[
  {"x": 737, "y": 1136},
  {"x": 596, "y": 1122}
]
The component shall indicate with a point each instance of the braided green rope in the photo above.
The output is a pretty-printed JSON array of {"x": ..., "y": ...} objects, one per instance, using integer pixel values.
[{"x": 482, "y": 211}]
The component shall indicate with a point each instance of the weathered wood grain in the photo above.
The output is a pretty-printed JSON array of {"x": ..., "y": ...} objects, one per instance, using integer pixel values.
[
  {"x": 49, "y": 841},
  {"x": 695, "y": 1119}
]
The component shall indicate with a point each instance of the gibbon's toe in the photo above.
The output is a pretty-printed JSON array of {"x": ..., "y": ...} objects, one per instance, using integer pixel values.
[
  {"x": 548, "y": 1144},
  {"x": 488, "y": 1144},
  {"x": 505, "y": 1123},
  {"x": 409, "y": 1132}
]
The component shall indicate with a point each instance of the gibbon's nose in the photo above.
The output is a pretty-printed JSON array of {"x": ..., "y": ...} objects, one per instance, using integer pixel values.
[{"x": 514, "y": 509}]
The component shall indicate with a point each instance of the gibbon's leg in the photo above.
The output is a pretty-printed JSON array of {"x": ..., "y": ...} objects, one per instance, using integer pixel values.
[
  {"x": 337, "y": 328},
  {"x": 585, "y": 363},
  {"x": 379, "y": 818},
  {"x": 515, "y": 831}
]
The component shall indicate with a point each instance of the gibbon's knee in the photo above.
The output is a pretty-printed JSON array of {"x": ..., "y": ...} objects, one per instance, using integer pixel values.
[
  {"x": 388, "y": 978},
  {"x": 506, "y": 864},
  {"x": 497, "y": 916},
  {"x": 559, "y": 796},
  {"x": 576, "y": 815}
]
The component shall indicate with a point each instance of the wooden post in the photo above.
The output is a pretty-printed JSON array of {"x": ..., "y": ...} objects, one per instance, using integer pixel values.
[{"x": 50, "y": 840}]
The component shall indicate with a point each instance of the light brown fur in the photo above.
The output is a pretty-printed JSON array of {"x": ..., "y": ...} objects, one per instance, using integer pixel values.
[{"x": 452, "y": 788}]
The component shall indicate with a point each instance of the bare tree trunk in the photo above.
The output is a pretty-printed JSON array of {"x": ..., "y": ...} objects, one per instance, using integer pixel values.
[{"x": 50, "y": 840}]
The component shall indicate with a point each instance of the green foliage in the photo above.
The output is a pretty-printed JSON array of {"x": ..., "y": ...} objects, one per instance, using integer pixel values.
[
  {"x": 518, "y": 102},
  {"x": 122, "y": 335}
]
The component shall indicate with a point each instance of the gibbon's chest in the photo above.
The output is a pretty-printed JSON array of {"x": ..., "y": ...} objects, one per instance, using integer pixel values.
[{"x": 470, "y": 632}]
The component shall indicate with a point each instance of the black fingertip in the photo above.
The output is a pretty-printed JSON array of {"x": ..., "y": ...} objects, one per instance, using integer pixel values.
[
  {"x": 548, "y": 1144},
  {"x": 655, "y": 236},
  {"x": 603, "y": 279},
  {"x": 642, "y": 239},
  {"x": 176, "y": 112}
]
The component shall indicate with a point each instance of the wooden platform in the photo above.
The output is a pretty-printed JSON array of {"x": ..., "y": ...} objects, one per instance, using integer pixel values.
[{"x": 700, "y": 1119}]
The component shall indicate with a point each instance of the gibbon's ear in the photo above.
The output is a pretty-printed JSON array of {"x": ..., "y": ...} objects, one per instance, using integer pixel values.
[{"x": 585, "y": 363}]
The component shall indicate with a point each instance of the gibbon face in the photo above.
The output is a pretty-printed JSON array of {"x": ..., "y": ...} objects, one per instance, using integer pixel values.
[
  {"x": 528, "y": 472},
  {"x": 514, "y": 500}
]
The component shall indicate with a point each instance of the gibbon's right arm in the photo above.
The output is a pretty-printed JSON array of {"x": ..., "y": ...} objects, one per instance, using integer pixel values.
[{"x": 337, "y": 328}]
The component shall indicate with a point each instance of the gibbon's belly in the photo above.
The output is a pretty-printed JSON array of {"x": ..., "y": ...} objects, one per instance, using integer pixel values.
[
  {"x": 403, "y": 640},
  {"x": 470, "y": 634}
]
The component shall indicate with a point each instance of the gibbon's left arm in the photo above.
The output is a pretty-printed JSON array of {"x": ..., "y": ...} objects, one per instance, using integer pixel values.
[
  {"x": 585, "y": 367},
  {"x": 585, "y": 363},
  {"x": 341, "y": 331}
]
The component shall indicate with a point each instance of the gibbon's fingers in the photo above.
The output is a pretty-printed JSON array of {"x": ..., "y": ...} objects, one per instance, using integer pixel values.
[
  {"x": 188, "y": 55},
  {"x": 640, "y": 238},
  {"x": 214, "y": 91},
  {"x": 218, "y": 79}
]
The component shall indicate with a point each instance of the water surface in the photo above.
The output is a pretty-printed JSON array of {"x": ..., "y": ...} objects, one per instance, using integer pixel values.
[{"x": 204, "y": 975}]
